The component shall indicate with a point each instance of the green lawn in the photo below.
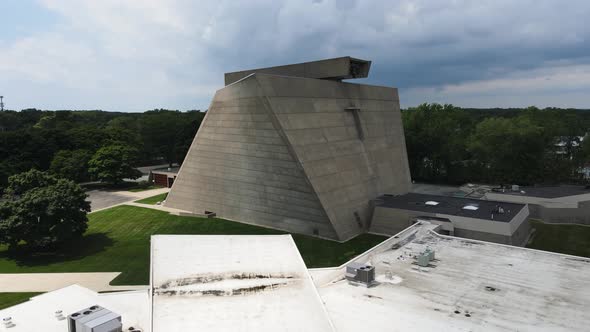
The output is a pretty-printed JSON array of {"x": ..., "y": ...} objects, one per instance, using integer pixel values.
[
  {"x": 565, "y": 239},
  {"x": 118, "y": 240},
  {"x": 10, "y": 299},
  {"x": 153, "y": 200}
]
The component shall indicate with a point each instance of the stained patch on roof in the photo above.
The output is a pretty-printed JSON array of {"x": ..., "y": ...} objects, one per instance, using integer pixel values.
[{"x": 224, "y": 283}]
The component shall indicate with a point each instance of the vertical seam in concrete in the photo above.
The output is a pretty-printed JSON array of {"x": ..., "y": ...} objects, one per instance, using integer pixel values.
[
  {"x": 281, "y": 131},
  {"x": 404, "y": 148}
]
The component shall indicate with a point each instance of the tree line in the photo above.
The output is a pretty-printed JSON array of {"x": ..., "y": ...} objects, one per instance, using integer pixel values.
[
  {"x": 445, "y": 143},
  {"x": 83, "y": 145},
  {"x": 44, "y": 153},
  {"x": 450, "y": 145}
]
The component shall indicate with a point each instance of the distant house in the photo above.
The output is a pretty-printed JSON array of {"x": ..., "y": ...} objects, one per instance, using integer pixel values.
[
  {"x": 564, "y": 144},
  {"x": 164, "y": 176}
]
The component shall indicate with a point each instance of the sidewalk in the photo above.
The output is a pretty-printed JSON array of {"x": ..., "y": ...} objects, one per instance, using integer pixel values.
[
  {"x": 124, "y": 197},
  {"x": 45, "y": 282}
]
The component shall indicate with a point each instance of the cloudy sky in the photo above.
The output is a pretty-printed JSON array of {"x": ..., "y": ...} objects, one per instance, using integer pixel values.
[{"x": 136, "y": 55}]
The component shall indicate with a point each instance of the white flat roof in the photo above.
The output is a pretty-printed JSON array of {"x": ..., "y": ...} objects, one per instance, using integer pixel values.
[
  {"x": 471, "y": 286},
  {"x": 260, "y": 283},
  {"x": 38, "y": 314},
  {"x": 229, "y": 283}
]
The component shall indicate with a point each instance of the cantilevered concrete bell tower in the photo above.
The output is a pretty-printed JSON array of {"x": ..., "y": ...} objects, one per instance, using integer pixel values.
[{"x": 295, "y": 148}]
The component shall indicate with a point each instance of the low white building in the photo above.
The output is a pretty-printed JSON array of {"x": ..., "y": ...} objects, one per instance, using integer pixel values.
[{"x": 259, "y": 283}]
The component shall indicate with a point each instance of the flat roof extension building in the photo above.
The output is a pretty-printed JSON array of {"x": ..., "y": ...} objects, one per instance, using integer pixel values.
[
  {"x": 455, "y": 206},
  {"x": 494, "y": 221}
]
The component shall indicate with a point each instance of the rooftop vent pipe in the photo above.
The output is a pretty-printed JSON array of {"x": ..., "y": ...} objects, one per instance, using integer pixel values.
[
  {"x": 8, "y": 322},
  {"x": 425, "y": 257},
  {"x": 59, "y": 315}
]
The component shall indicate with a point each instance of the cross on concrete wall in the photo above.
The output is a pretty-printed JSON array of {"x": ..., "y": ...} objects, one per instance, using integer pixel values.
[{"x": 357, "y": 120}]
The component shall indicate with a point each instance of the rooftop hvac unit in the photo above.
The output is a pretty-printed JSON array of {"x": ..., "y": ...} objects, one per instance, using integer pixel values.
[
  {"x": 360, "y": 273},
  {"x": 94, "y": 319},
  {"x": 425, "y": 257},
  {"x": 430, "y": 253},
  {"x": 423, "y": 260}
]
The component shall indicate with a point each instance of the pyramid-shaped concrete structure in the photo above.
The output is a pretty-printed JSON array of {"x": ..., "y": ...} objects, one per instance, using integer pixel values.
[{"x": 304, "y": 153}]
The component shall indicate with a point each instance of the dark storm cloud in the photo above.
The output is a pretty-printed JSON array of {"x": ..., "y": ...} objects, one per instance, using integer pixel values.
[{"x": 173, "y": 53}]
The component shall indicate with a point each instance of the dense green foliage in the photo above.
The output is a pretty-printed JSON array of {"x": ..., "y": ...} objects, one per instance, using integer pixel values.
[
  {"x": 118, "y": 239},
  {"x": 447, "y": 144},
  {"x": 71, "y": 164},
  {"x": 113, "y": 163},
  {"x": 33, "y": 138},
  {"x": 10, "y": 299},
  {"x": 565, "y": 239},
  {"x": 42, "y": 211}
]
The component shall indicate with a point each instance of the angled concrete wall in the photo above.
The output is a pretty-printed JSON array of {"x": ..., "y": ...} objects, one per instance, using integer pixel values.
[
  {"x": 285, "y": 152},
  {"x": 240, "y": 167},
  {"x": 345, "y": 171}
]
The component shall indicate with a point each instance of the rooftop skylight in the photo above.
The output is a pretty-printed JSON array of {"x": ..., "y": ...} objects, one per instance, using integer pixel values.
[
  {"x": 433, "y": 203},
  {"x": 472, "y": 207}
]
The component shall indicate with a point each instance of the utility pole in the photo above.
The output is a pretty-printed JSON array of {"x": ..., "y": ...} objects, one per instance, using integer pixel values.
[{"x": 1, "y": 103}]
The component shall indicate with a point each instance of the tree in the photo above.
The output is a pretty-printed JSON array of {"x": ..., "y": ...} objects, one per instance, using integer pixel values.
[
  {"x": 168, "y": 134},
  {"x": 114, "y": 163},
  {"x": 123, "y": 130},
  {"x": 42, "y": 210},
  {"x": 511, "y": 150},
  {"x": 71, "y": 165},
  {"x": 158, "y": 130},
  {"x": 435, "y": 139}
]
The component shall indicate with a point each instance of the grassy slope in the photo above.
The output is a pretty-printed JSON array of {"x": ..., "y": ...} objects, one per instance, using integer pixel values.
[
  {"x": 565, "y": 239},
  {"x": 154, "y": 199},
  {"x": 118, "y": 240},
  {"x": 10, "y": 299}
]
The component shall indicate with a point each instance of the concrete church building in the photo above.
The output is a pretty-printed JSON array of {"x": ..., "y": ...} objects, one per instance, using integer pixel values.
[{"x": 295, "y": 148}]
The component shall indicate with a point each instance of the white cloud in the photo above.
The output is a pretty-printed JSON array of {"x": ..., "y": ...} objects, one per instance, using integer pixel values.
[
  {"x": 557, "y": 85},
  {"x": 140, "y": 54}
]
